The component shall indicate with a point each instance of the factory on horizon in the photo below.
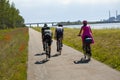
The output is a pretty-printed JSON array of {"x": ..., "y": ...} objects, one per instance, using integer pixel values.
[{"x": 113, "y": 18}]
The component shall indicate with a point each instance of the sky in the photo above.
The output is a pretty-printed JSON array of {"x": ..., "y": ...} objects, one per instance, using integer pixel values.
[{"x": 34, "y": 11}]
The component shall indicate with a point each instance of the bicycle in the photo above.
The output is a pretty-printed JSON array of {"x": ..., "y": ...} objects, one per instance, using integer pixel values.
[
  {"x": 47, "y": 49},
  {"x": 87, "y": 48},
  {"x": 59, "y": 45}
]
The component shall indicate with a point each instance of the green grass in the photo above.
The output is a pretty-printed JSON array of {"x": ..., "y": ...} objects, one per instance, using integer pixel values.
[
  {"x": 13, "y": 54},
  {"x": 37, "y": 28},
  {"x": 105, "y": 49}
]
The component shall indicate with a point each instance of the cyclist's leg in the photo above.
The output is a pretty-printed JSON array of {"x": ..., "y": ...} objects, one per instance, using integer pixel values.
[
  {"x": 60, "y": 43},
  {"x": 85, "y": 50},
  {"x": 57, "y": 43},
  {"x": 84, "y": 46},
  {"x": 49, "y": 44},
  {"x": 49, "y": 55},
  {"x": 90, "y": 54},
  {"x": 43, "y": 44},
  {"x": 62, "y": 40}
]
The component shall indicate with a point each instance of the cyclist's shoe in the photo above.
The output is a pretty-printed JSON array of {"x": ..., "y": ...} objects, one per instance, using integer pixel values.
[
  {"x": 89, "y": 59},
  {"x": 51, "y": 41},
  {"x": 49, "y": 56},
  {"x": 57, "y": 50},
  {"x": 60, "y": 48},
  {"x": 84, "y": 56},
  {"x": 43, "y": 49},
  {"x": 62, "y": 45}
]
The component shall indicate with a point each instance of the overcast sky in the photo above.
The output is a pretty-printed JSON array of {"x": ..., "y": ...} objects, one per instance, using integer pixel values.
[{"x": 66, "y": 10}]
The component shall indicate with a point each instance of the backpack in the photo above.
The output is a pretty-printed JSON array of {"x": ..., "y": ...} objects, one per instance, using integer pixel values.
[{"x": 59, "y": 31}]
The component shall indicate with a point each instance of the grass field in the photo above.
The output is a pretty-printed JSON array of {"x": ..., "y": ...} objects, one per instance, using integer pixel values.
[
  {"x": 105, "y": 49},
  {"x": 13, "y": 54}
]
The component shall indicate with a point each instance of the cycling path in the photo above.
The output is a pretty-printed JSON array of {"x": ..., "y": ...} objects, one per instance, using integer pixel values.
[{"x": 62, "y": 67}]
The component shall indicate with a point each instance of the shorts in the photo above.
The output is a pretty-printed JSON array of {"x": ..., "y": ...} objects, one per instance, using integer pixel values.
[
  {"x": 48, "y": 38},
  {"x": 59, "y": 36}
]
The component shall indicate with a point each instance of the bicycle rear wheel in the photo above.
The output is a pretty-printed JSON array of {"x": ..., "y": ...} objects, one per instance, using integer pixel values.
[
  {"x": 87, "y": 51},
  {"x": 59, "y": 46},
  {"x": 47, "y": 50}
]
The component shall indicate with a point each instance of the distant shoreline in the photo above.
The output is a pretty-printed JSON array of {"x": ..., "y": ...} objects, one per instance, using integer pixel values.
[{"x": 80, "y": 23}]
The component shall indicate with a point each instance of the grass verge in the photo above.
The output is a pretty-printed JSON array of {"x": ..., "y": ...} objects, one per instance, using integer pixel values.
[
  {"x": 13, "y": 54},
  {"x": 106, "y": 48}
]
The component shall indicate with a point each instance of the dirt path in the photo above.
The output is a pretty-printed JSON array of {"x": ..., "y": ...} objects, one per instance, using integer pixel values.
[{"x": 63, "y": 67}]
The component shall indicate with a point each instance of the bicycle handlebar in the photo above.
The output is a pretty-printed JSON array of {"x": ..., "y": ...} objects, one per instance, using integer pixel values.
[{"x": 78, "y": 35}]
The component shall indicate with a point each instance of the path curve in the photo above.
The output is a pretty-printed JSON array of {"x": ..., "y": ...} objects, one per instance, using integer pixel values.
[{"x": 62, "y": 67}]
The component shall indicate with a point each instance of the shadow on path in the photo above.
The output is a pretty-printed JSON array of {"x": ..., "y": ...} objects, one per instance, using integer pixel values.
[
  {"x": 39, "y": 54},
  {"x": 55, "y": 55},
  {"x": 82, "y": 61},
  {"x": 41, "y": 62}
]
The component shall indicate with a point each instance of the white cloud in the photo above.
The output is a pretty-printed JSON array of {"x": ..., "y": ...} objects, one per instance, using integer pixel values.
[
  {"x": 64, "y": 2},
  {"x": 97, "y": 1},
  {"x": 45, "y": 4},
  {"x": 33, "y": 10}
]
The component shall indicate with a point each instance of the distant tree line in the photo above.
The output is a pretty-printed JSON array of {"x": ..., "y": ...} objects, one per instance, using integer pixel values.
[
  {"x": 10, "y": 16},
  {"x": 71, "y": 23}
]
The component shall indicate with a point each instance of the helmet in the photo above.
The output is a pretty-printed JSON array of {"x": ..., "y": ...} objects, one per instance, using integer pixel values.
[
  {"x": 84, "y": 22},
  {"x": 60, "y": 25},
  {"x": 45, "y": 25}
]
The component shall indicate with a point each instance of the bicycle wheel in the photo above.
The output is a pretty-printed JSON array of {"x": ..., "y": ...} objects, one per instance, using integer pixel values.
[
  {"x": 47, "y": 50},
  {"x": 59, "y": 46},
  {"x": 88, "y": 51}
]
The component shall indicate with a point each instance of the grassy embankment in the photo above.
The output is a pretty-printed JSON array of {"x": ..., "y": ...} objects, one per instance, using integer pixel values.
[
  {"x": 13, "y": 54},
  {"x": 106, "y": 48}
]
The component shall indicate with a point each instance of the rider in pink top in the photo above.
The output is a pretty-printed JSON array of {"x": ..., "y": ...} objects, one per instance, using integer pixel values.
[{"x": 85, "y": 31}]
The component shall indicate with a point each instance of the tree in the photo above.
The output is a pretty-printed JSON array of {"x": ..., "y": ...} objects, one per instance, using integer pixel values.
[{"x": 9, "y": 16}]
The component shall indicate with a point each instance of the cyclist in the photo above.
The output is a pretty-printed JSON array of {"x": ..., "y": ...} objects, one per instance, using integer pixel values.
[
  {"x": 85, "y": 31},
  {"x": 46, "y": 34},
  {"x": 59, "y": 33}
]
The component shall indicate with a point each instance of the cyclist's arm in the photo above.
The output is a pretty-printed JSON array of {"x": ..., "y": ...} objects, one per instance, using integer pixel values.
[
  {"x": 63, "y": 34},
  {"x": 51, "y": 35},
  {"x": 42, "y": 32},
  {"x": 55, "y": 34},
  {"x": 80, "y": 32},
  {"x": 90, "y": 30}
]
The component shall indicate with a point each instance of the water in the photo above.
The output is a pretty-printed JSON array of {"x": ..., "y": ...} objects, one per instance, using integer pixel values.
[
  {"x": 93, "y": 26},
  {"x": 97, "y": 26}
]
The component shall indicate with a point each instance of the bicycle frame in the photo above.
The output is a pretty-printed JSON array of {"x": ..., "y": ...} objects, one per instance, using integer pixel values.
[
  {"x": 87, "y": 50},
  {"x": 59, "y": 45},
  {"x": 47, "y": 49}
]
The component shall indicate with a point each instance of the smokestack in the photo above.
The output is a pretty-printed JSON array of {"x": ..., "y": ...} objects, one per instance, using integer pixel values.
[
  {"x": 109, "y": 14},
  {"x": 116, "y": 13}
]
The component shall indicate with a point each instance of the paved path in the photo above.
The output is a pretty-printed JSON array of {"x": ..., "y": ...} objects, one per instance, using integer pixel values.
[{"x": 63, "y": 67}]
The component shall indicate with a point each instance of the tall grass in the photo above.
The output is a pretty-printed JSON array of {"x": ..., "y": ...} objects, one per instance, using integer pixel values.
[
  {"x": 13, "y": 54},
  {"x": 37, "y": 28},
  {"x": 105, "y": 49}
]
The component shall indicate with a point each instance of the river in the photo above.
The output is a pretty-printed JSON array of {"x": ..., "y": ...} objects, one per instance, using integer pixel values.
[{"x": 98, "y": 26}]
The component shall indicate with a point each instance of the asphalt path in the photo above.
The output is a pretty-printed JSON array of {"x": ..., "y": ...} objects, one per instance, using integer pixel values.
[{"x": 62, "y": 67}]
